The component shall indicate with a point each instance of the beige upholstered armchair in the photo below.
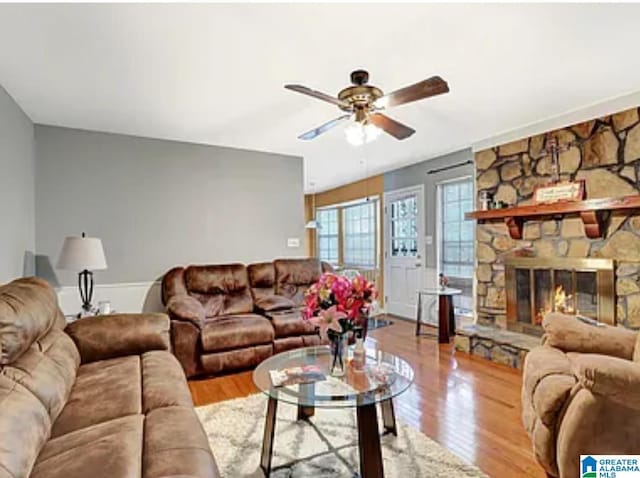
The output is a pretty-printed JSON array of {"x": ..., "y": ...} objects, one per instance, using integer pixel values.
[{"x": 581, "y": 393}]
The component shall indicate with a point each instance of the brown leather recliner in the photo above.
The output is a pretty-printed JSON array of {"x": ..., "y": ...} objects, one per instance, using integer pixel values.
[
  {"x": 229, "y": 317},
  {"x": 102, "y": 397},
  {"x": 213, "y": 326},
  {"x": 278, "y": 289},
  {"x": 581, "y": 393}
]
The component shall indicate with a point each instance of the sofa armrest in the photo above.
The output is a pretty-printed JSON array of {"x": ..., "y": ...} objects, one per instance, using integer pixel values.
[
  {"x": 187, "y": 308},
  {"x": 547, "y": 382},
  {"x": 117, "y": 335},
  {"x": 567, "y": 333},
  {"x": 273, "y": 303},
  {"x": 611, "y": 377}
]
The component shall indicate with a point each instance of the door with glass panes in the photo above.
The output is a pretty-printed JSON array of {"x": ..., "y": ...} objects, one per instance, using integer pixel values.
[{"x": 404, "y": 249}]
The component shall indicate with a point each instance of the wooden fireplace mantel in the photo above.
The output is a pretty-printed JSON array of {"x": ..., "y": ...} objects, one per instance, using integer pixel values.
[{"x": 592, "y": 212}]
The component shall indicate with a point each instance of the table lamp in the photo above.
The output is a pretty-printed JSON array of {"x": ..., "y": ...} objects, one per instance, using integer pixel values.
[{"x": 84, "y": 254}]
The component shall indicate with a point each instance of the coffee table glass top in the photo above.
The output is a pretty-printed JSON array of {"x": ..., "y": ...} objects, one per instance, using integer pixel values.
[{"x": 384, "y": 376}]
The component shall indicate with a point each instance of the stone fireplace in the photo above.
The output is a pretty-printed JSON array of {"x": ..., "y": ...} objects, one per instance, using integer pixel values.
[
  {"x": 537, "y": 286},
  {"x": 555, "y": 250}
]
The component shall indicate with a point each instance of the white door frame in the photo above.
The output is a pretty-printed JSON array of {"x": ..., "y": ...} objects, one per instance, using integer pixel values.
[{"x": 421, "y": 258}]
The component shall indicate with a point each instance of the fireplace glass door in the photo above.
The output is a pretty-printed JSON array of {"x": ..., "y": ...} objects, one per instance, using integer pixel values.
[{"x": 536, "y": 287}]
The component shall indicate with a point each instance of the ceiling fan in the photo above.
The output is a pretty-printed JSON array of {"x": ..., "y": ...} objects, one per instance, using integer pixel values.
[{"x": 363, "y": 103}]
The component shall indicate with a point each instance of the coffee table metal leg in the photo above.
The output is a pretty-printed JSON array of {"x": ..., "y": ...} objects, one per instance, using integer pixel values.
[
  {"x": 269, "y": 433},
  {"x": 369, "y": 442},
  {"x": 389, "y": 416},
  {"x": 306, "y": 394}
]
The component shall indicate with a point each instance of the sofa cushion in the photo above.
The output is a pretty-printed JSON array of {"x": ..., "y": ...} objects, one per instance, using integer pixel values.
[
  {"x": 103, "y": 391},
  {"x": 176, "y": 445},
  {"x": 295, "y": 276},
  {"x": 111, "y": 449},
  {"x": 262, "y": 279},
  {"x": 222, "y": 289},
  {"x": 26, "y": 423},
  {"x": 28, "y": 310},
  {"x": 291, "y": 323},
  {"x": 271, "y": 303},
  {"x": 236, "y": 331},
  {"x": 163, "y": 382}
]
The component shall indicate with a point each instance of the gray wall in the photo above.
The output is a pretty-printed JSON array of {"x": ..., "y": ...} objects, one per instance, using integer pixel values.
[
  {"x": 416, "y": 174},
  {"x": 156, "y": 204},
  {"x": 17, "y": 189}
]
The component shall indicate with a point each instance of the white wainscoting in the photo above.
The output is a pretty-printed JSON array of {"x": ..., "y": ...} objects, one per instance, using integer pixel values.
[{"x": 126, "y": 297}]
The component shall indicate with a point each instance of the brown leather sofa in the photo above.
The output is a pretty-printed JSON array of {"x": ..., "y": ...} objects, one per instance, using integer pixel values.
[
  {"x": 229, "y": 317},
  {"x": 103, "y": 397},
  {"x": 581, "y": 393}
]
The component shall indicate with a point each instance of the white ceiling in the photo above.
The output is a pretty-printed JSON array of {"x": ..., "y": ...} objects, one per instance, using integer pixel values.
[{"x": 215, "y": 73}]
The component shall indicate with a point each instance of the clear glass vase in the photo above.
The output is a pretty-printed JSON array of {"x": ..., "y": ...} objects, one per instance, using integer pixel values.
[{"x": 338, "y": 345}]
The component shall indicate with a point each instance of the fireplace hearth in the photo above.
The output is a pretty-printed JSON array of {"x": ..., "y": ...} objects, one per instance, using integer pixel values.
[{"x": 536, "y": 286}]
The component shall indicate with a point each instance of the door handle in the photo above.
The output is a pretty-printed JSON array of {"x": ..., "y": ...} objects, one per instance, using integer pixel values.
[{"x": 418, "y": 264}]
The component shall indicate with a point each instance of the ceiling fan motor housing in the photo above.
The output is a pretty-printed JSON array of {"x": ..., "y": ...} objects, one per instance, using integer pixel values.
[{"x": 360, "y": 96}]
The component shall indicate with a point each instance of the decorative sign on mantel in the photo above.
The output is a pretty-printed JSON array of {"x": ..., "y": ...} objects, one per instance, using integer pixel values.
[{"x": 559, "y": 192}]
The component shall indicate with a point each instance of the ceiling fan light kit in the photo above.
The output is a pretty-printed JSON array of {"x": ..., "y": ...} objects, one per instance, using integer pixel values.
[
  {"x": 363, "y": 102},
  {"x": 358, "y": 134}
]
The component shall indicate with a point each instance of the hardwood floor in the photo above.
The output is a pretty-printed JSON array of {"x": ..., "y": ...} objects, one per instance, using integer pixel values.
[{"x": 469, "y": 405}]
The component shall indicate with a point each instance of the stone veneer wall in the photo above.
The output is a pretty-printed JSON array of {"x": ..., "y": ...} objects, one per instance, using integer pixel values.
[{"x": 605, "y": 152}]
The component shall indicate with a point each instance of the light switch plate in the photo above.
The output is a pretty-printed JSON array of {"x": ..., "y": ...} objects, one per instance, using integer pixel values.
[
  {"x": 428, "y": 240},
  {"x": 293, "y": 242}
]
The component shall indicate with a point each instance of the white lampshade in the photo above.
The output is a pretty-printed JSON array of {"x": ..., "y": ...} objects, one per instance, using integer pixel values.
[
  {"x": 312, "y": 224},
  {"x": 80, "y": 253}
]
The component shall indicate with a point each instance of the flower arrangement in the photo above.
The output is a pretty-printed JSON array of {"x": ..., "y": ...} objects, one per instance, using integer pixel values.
[{"x": 335, "y": 302}]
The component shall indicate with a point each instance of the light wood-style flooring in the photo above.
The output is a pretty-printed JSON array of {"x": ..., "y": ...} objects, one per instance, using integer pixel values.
[{"x": 467, "y": 404}]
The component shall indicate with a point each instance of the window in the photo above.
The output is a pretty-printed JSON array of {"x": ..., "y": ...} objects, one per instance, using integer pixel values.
[
  {"x": 348, "y": 234},
  {"x": 457, "y": 234},
  {"x": 359, "y": 231},
  {"x": 327, "y": 235}
]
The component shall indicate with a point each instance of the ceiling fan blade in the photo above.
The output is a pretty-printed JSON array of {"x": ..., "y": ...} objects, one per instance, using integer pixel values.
[
  {"x": 323, "y": 128},
  {"x": 421, "y": 90},
  {"x": 391, "y": 126},
  {"x": 318, "y": 94}
]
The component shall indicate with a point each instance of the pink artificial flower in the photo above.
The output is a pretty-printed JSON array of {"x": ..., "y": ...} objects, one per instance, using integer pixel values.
[
  {"x": 341, "y": 289},
  {"x": 328, "y": 319}
]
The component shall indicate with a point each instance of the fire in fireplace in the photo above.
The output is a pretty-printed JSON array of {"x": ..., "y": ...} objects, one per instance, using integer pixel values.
[{"x": 537, "y": 286}]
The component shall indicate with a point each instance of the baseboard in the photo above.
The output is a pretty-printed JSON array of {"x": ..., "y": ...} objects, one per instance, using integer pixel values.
[{"x": 130, "y": 297}]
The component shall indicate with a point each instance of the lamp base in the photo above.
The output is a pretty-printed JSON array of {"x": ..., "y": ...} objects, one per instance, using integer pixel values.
[{"x": 85, "y": 286}]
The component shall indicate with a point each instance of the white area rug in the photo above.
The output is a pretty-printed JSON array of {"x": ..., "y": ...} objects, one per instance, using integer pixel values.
[{"x": 327, "y": 448}]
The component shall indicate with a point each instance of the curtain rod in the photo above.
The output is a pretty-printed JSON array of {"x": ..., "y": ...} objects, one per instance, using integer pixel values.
[{"x": 446, "y": 168}]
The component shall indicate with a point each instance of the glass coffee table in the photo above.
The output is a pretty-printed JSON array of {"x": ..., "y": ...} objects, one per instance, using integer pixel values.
[{"x": 384, "y": 377}]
